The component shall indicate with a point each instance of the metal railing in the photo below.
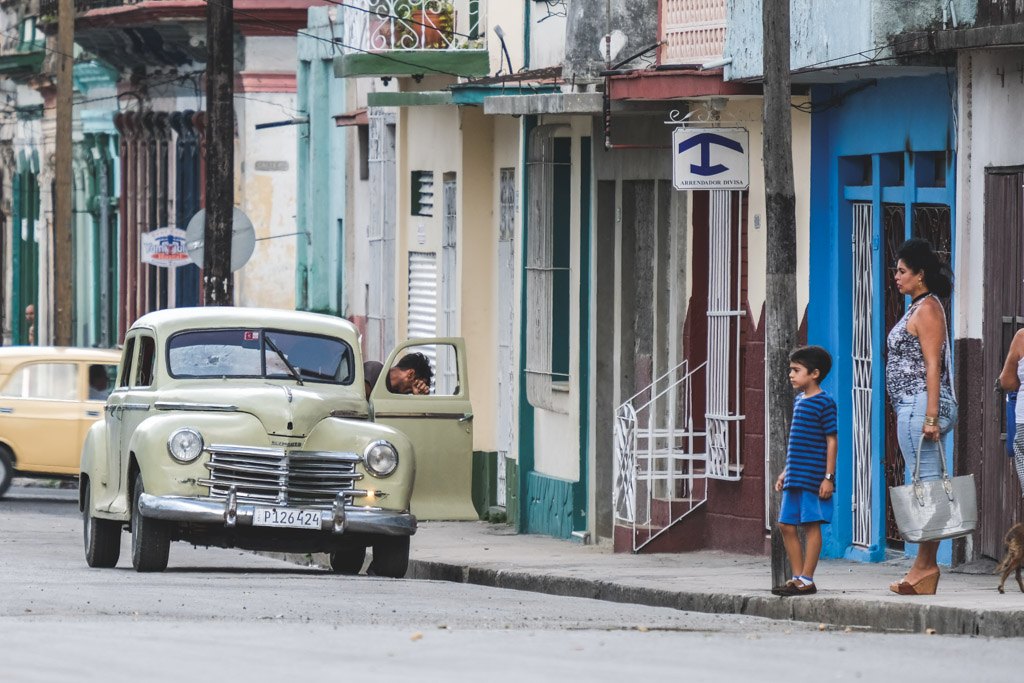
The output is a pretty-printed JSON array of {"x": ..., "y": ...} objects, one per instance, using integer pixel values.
[
  {"x": 423, "y": 24},
  {"x": 660, "y": 457},
  {"x": 863, "y": 353}
]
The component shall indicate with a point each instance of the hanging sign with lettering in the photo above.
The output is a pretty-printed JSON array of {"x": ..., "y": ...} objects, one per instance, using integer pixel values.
[{"x": 710, "y": 158}]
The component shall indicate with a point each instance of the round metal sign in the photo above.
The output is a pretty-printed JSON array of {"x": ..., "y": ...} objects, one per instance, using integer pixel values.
[{"x": 243, "y": 238}]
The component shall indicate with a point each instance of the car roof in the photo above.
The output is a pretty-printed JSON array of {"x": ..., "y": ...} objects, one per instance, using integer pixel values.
[
  {"x": 169, "y": 321},
  {"x": 12, "y": 356}
]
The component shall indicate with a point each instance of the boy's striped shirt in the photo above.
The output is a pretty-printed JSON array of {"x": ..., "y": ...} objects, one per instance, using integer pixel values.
[{"x": 814, "y": 418}]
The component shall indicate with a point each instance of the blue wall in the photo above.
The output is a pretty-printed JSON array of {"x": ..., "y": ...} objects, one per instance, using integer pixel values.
[{"x": 908, "y": 120}]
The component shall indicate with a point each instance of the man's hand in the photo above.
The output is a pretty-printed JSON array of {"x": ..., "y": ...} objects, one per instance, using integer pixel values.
[
  {"x": 780, "y": 481},
  {"x": 826, "y": 489},
  {"x": 419, "y": 387}
]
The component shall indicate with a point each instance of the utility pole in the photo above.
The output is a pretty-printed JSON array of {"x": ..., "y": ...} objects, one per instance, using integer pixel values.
[
  {"x": 780, "y": 205},
  {"x": 218, "y": 284},
  {"x": 63, "y": 272}
]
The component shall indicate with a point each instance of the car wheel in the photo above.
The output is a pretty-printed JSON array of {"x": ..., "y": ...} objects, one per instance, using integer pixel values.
[
  {"x": 390, "y": 557},
  {"x": 151, "y": 543},
  {"x": 348, "y": 560},
  {"x": 6, "y": 470},
  {"x": 102, "y": 537}
]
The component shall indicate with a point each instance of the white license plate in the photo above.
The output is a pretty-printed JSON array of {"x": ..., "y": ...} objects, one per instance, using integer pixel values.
[{"x": 297, "y": 518}]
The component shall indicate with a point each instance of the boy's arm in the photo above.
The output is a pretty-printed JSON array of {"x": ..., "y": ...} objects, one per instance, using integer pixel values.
[{"x": 827, "y": 487}]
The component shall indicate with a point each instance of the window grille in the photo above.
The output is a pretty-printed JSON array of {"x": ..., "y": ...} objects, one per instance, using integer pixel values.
[{"x": 548, "y": 268}]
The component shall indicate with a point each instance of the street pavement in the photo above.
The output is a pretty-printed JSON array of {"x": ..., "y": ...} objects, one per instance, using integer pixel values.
[{"x": 226, "y": 613}]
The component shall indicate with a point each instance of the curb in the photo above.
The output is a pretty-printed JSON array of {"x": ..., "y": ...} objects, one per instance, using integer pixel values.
[{"x": 879, "y": 616}]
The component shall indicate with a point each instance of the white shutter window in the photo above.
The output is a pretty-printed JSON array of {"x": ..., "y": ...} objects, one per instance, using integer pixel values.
[{"x": 423, "y": 299}]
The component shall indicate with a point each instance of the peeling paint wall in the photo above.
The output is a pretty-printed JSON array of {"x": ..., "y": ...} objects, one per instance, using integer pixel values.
[
  {"x": 588, "y": 23},
  {"x": 833, "y": 31}
]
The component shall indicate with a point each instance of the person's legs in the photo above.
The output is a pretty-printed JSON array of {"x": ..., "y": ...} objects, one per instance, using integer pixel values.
[
  {"x": 812, "y": 532},
  {"x": 791, "y": 539}
]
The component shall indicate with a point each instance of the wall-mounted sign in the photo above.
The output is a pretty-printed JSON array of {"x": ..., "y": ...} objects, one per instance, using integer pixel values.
[
  {"x": 164, "y": 247},
  {"x": 710, "y": 159},
  {"x": 271, "y": 166}
]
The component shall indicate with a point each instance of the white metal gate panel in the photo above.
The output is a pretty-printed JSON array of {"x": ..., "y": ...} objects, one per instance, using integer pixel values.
[
  {"x": 423, "y": 299},
  {"x": 506, "y": 324},
  {"x": 446, "y": 365},
  {"x": 380, "y": 314},
  {"x": 725, "y": 313},
  {"x": 863, "y": 350}
]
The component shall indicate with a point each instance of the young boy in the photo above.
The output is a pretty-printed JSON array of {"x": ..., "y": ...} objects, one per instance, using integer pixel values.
[{"x": 809, "y": 480}]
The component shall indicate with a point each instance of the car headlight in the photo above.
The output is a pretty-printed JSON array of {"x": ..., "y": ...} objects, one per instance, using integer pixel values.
[
  {"x": 381, "y": 458},
  {"x": 185, "y": 444}
]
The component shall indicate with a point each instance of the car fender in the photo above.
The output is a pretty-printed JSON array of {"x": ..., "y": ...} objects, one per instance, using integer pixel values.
[
  {"x": 166, "y": 476},
  {"x": 354, "y": 436},
  {"x": 93, "y": 464}
]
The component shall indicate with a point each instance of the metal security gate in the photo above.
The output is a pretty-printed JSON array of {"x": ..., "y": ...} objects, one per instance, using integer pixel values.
[
  {"x": 506, "y": 324},
  {"x": 380, "y": 313},
  {"x": 725, "y": 312},
  {"x": 447, "y": 374},
  {"x": 863, "y": 368}
]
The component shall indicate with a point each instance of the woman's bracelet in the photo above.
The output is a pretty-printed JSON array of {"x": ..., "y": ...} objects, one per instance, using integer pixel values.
[{"x": 930, "y": 421}]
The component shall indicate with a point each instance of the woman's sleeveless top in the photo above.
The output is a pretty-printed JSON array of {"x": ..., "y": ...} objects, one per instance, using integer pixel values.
[{"x": 904, "y": 369}]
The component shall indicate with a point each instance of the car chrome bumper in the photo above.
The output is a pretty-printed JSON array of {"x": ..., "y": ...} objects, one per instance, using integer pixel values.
[{"x": 339, "y": 519}]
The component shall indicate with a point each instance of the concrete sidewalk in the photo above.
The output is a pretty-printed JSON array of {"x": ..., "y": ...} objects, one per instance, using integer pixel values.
[{"x": 850, "y": 594}]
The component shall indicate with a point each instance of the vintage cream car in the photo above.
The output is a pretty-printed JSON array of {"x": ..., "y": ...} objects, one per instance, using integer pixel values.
[
  {"x": 251, "y": 428},
  {"x": 49, "y": 398}
]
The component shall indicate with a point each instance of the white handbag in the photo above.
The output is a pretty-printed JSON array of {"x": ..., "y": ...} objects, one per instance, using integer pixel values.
[{"x": 935, "y": 510}]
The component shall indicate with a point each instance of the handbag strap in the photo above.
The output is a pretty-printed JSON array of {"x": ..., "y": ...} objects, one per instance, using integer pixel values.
[
  {"x": 917, "y": 460},
  {"x": 949, "y": 354}
]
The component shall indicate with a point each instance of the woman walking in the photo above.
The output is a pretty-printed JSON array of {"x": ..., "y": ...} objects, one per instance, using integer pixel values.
[
  {"x": 918, "y": 378},
  {"x": 1010, "y": 379}
]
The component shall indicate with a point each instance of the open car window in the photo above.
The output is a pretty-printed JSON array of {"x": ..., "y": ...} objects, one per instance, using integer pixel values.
[
  {"x": 411, "y": 376},
  {"x": 259, "y": 353}
]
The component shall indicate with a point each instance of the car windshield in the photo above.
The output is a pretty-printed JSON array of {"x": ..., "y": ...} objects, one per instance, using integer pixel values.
[{"x": 247, "y": 353}]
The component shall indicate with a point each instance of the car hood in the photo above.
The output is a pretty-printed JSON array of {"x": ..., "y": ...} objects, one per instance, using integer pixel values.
[{"x": 284, "y": 410}]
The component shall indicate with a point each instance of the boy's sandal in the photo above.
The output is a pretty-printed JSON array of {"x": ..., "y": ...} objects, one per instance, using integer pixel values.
[
  {"x": 784, "y": 588},
  {"x": 798, "y": 588}
]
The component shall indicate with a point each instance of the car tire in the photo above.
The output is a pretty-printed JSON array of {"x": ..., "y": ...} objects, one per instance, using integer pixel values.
[
  {"x": 151, "y": 544},
  {"x": 6, "y": 470},
  {"x": 390, "y": 557},
  {"x": 348, "y": 561},
  {"x": 102, "y": 537}
]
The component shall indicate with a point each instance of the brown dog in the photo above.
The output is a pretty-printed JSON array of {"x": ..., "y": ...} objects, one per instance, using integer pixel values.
[{"x": 1014, "y": 559}]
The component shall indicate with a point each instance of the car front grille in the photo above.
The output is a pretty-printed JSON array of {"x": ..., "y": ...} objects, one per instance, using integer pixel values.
[{"x": 278, "y": 477}]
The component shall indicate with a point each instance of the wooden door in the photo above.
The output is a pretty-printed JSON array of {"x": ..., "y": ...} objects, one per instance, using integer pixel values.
[{"x": 999, "y": 500}]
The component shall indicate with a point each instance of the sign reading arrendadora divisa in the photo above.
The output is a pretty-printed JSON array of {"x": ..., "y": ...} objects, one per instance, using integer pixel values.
[{"x": 710, "y": 158}]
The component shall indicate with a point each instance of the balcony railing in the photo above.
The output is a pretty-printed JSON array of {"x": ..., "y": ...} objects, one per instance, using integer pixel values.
[
  {"x": 423, "y": 24},
  {"x": 693, "y": 31}
]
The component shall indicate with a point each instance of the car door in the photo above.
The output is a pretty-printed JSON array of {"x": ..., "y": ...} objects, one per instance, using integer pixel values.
[
  {"x": 137, "y": 403},
  {"x": 440, "y": 427},
  {"x": 39, "y": 412},
  {"x": 115, "y": 403}
]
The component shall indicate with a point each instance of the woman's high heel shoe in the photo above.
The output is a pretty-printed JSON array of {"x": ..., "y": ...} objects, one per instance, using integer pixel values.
[{"x": 926, "y": 585}]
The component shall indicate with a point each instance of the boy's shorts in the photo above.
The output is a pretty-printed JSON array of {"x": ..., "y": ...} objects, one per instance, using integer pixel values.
[{"x": 800, "y": 506}]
